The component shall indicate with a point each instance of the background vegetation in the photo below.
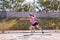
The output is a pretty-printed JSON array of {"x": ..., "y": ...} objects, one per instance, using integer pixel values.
[
  {"x": 16, "y": 5},
  {"x": 45, "y": 23}
]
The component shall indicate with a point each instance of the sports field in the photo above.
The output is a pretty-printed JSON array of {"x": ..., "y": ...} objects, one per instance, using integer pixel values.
[{"x": 48, "y": 35}]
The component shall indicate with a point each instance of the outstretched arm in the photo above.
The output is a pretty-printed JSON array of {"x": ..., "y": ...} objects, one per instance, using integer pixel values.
[
  {"x": 24, "y": 19},
  {"x": 37, "y": 19}
]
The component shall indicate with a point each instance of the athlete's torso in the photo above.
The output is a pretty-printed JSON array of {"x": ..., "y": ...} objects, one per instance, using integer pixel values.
[{"x": 32, "y": 20}]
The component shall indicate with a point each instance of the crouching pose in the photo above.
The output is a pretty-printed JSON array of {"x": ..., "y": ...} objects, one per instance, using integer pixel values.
[{"x": 34, "y": 23}]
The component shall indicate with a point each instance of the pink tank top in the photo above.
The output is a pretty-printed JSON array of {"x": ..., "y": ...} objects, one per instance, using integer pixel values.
[{"x": 33, "y": 20}]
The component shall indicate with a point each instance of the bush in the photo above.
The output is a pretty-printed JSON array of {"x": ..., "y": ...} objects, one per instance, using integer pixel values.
[
  {"x": 45, "y": 23},
  {"x": 21, "y": 25}
]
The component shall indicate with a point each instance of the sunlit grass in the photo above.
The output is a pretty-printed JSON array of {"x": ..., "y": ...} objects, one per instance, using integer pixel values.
[{"x": 16, "y": 24}]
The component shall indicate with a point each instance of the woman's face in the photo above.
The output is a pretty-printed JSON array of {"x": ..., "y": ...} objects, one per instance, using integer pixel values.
[{"x": 30, "y": 16}]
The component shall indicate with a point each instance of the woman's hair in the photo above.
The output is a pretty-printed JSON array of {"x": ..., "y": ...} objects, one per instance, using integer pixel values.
[{"x": 31, "y": 15}]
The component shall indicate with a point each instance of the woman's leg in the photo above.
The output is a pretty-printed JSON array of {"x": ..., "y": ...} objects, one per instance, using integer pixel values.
[
  {"x": 30, "y": 28},
  {"x": 39, "y": 27}
]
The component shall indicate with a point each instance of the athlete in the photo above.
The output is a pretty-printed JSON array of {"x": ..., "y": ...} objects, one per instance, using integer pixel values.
[{"x": 34, "y": 23}]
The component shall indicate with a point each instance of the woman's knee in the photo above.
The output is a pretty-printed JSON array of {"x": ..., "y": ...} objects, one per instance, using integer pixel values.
[{"x": 30, "y": 27}]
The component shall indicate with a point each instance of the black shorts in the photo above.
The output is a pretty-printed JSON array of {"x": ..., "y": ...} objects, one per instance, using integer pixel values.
[{"x": 35, "y": 24}]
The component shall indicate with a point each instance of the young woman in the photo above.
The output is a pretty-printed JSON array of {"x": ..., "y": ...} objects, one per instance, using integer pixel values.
[{"x": 34, "y": 23}]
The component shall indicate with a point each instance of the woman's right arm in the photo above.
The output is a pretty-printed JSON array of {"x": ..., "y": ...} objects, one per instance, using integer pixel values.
[{"x": 23, "y": 18}]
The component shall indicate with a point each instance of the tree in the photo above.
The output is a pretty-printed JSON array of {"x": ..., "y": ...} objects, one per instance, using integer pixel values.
[
  {"x": 16, "y": 5},
  {"x": 20, "y": 1},
  {"x": 49, "y": 4},
  {"x": 13, "y": 4},
  {"x": 28, "y": 7},
  {"x": 54, "y": 5},
  {"x": 7, "y": 5}
]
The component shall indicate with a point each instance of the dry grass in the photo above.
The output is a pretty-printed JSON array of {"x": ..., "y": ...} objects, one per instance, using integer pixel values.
[{"x": 8, "y": 24}]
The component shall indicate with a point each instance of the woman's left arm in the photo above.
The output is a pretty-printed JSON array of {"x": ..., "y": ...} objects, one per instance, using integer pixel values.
[{"x": 37, "y": 19}]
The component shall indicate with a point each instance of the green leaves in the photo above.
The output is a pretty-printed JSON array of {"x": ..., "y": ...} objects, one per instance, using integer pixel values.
[
  {"x": 17, "y": 5},
  {"x": 52, "y": 5},
  {"x": 7, "y": 5},
  {"x": 20, "y": 0},
  {"x": 45, "y": 23}
]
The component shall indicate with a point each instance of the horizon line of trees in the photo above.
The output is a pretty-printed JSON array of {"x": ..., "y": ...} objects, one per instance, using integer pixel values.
[{"x": 17, "y": 5}]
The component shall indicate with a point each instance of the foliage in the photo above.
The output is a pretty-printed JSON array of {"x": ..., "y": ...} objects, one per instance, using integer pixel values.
[
  {"x": 50, "y": 5},
  {"x": 17, "y": 5},
  {"x": 45, "y": 23}
]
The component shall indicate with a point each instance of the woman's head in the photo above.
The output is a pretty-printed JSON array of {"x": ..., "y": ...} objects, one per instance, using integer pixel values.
[{"x": 31, "y": 15}]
